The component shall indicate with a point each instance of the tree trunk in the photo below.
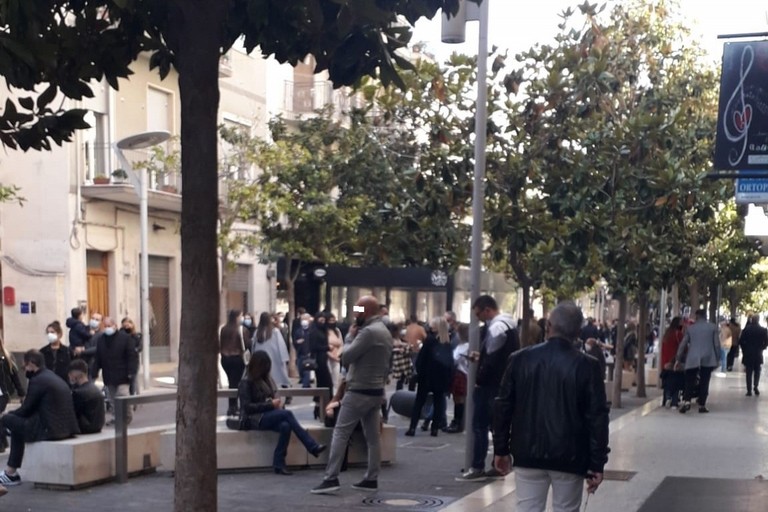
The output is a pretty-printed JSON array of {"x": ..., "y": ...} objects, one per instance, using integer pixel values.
[
  {"x": 524, "y": 334},
  {"x": 197, "y": 60},
  {"x": 733, "y": 303},
  {"x": 642, "y": 332},
  {"x": 693, "y": 293},
  {"x": 676, "y": 300},
  {"x": 714, "y": 302},
  {"x": 290, "y": 290},
  {"x": 619, "y": 347}
]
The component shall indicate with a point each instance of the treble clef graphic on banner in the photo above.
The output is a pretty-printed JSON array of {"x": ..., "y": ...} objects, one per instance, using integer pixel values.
[{"x": 742, "y": 112}]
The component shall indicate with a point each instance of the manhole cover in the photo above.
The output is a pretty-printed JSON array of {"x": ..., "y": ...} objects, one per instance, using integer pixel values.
[
  {"x": 621, "y": 476},
  {"x": 426, "y": 446},
  {"x": 410, "y": 502}
]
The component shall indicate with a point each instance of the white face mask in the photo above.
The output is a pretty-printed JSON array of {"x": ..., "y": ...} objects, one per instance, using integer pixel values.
[
  {"x": 94, "y": 324},
  {"x": 52, "y": 337},
  {"x": 109, "y": 331},
  {"x": 304, "y": 324}
]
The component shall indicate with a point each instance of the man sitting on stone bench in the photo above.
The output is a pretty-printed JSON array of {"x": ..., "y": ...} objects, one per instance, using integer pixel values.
[
  {"x": 47, "y": 414},
  {"x": 87, "y": 399}
]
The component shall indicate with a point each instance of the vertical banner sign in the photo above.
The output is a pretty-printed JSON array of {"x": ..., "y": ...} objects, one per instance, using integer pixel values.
[{"x": 742, "y": 121}]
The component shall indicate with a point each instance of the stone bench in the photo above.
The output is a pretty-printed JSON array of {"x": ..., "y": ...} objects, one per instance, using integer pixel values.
[
  {"x": 89, "y": 459},
  {"x": 253, "y": 449}
]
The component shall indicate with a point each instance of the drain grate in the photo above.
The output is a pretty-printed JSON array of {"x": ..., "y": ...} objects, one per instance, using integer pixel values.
[
  {"x": 617, "y": 475},
  {"x": 405, "y": 502}
]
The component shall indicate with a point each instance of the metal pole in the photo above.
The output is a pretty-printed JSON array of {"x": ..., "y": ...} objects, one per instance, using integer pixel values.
[
  {"x": 478, "y": 197},
  {"x": 121, "y": 439},
  {"x": 144, "y": 276}
]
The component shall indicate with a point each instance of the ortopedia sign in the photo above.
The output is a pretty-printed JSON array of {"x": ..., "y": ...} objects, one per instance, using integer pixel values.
[{"x": 754, "y": 190}]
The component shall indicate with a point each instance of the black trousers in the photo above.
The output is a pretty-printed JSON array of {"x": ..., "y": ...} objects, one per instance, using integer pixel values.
[
  {"x": 753, "y": 370},
  {"x": 17, "y": 426},
  {"x": 732, "y": 355},
  {"x": 234, "y": 366},
  {"x": 704, "y": 375}
]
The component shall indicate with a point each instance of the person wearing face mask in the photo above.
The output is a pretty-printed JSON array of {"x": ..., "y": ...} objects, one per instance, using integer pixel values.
[
  {"x": 47, "y": 414},
  {"x": 366, "y": 359},
  {"x": 300, "y": 337},
  {"x": 57, "y": 355},
  {"x": 88, "y": 350},
  {"x": 88, "y": 401},
  {"x": 116, "y": 356},
  {"x": 128, "y": 327},
  {"x": 248, "y": 327}
]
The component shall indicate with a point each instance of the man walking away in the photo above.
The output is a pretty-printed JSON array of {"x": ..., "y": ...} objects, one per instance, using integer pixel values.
[
  {"x": 367, "y": 362},
  {"x": 551, "y": 417},
  {"x": 700, "y": 349},
  {"x": 116, "y": 356},
  {"x": 499, "y": 341},
  {"x": 754, "y": 339}
]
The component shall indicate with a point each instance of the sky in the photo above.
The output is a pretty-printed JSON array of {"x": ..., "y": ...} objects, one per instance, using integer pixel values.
[{"x": 518, "y": 24}]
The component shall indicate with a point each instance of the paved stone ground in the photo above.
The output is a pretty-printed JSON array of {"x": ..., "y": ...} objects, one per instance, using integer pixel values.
[{"x": 423, "y": 478}]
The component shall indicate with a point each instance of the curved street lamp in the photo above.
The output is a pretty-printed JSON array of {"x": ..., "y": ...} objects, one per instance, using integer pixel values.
[{"x": 140, "y": 185}]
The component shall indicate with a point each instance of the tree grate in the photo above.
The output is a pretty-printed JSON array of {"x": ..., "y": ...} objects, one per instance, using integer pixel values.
[{"x": 405, "y": 502}]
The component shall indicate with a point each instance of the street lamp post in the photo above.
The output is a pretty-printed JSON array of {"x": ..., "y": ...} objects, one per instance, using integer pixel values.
[
  {"x": 140, "y": 183},
  {"x": 453, "y": 32}
]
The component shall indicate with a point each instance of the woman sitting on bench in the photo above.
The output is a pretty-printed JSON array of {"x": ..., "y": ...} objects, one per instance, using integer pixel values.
[{"x": 260, "y": 410}]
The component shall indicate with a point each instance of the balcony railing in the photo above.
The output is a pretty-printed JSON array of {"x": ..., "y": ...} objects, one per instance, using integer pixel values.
[{"x": 306, "y": 97}]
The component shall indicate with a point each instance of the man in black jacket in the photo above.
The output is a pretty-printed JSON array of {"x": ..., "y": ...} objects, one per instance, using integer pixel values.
[
  {"x": 47, "y": 414},
  {"x": 551, "y": 416},
  {"x": 116, "y": 355},
  {"x": 87, "y": 399}
]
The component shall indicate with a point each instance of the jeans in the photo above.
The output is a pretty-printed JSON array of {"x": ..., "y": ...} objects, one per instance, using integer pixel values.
[
  {"x": 284, "y": 422},
  {"x": 234, "y": 366},
  {"x": 753, "y": 370},
  {"x": 437, "y": 415},
  {"x": 483, "y": 397},
  {"x": 121, "y": 390},
  {"x": 723, "y": 359},
  {"x": 17, "y": 426},
  {"x": 704, "y": 375},
  {"x": 532, "y": 486},
  {"x": 356, "y": 407}
]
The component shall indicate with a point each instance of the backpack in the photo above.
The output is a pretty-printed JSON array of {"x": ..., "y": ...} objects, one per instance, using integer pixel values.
[{"x": 491, "y": 370}]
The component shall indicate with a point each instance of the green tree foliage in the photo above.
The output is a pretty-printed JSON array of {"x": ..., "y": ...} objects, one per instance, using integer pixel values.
[{"x": 63, "y": 46}]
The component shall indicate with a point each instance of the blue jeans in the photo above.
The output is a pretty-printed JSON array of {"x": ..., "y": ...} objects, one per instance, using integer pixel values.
[
  {"x": 284, "y": 422},
  {"x": 483, "y": 397},
  {"x": 723, "y": 358}
]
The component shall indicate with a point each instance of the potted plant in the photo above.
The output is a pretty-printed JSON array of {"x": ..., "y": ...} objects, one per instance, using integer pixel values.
[
  {"x": 101, "y": 179},
  {"x": 120, "y": 175}
]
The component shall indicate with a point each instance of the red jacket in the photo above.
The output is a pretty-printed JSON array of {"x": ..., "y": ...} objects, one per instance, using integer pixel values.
[{"x": 669, "y": 345}]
